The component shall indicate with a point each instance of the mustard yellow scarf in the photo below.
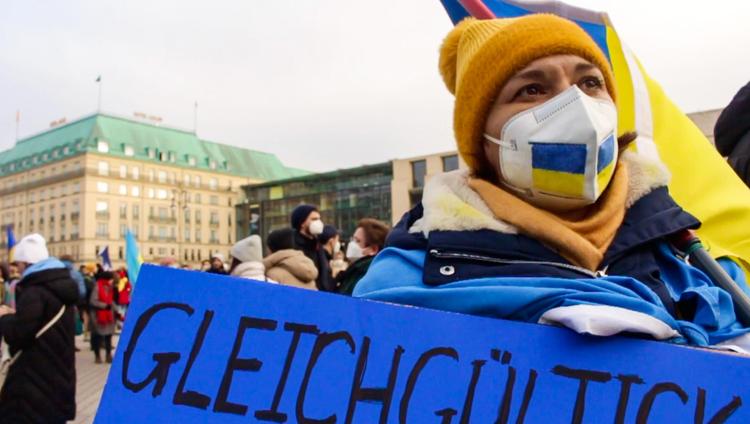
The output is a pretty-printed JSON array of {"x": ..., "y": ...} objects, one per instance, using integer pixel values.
[{"x": 582, "y": 237}]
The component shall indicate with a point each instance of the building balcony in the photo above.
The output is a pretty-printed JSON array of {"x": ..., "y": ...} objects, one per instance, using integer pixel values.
[
  {"x": 74, "y": 216},
  {"x": 74, "y": 236},
  {"x": 162, "y": 219},
  {"x": 213, "y": 224},
  {"x": 162, "y": 239},
  {"x": 102, "y": 214}
]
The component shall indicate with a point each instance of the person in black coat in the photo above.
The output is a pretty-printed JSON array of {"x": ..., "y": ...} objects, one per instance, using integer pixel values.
[
  {"x": 732, "y": 133},
  {"x": 307, "y": 225},
  {"x": 40, "y": 385}
]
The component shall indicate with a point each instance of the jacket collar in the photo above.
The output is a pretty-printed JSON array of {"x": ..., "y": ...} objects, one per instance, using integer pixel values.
[
  {"x": 452, "y": 215},
  {"x": 451, "y": 205}
]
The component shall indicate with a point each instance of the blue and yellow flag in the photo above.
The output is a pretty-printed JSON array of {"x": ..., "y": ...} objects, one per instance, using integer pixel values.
[
  {"x": 11, "y": 241},
  {"x": 133, "y": 258},
  {"x": 702, "y": 182}
]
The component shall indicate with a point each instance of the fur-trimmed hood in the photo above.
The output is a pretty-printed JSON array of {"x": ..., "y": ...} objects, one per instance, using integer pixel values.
[{"x": 451, "y": 205}]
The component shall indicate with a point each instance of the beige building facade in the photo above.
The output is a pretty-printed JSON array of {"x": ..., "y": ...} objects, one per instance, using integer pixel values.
[{"x": 83, "y": 188}]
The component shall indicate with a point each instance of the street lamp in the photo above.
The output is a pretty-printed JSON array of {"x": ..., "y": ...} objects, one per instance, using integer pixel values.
[{"x": 179, "y": 200}]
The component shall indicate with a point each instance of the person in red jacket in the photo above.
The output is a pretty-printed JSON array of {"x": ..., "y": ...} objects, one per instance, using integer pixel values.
[{"x": 102, "y": 316}]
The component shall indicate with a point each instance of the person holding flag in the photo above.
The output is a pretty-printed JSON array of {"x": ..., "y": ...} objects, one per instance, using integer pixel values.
[{"x": 559, "y": 220}]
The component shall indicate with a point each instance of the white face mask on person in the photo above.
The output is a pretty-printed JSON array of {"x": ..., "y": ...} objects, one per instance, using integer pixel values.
[
  {"x": 316, "y": 227},
  {"x": 561, "y": 154},
  {"x": 353, "y": 251}
]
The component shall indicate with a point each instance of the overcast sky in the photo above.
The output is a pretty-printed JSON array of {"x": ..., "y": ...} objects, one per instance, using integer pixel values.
[{"x": 323, "y": 84}]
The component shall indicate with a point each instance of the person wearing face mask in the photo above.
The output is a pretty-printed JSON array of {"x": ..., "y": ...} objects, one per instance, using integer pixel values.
[
  {"x": 556, "y": 221},
  {"x": 331, "y": 242},
  {"x": 367, "y": 241},
  {"x": 307, "y": 225}
]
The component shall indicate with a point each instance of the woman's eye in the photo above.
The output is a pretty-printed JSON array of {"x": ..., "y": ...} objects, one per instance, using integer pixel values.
[
  {"x": 591, "y": 83},
  {"x": 530, "y": 90}
]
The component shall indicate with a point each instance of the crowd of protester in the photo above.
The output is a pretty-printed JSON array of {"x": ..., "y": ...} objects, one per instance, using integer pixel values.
[{"x": 308, "y": 254}]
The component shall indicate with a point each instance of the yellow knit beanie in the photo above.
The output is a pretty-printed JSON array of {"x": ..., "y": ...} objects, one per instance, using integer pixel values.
[{"x": 478, "y": 57}]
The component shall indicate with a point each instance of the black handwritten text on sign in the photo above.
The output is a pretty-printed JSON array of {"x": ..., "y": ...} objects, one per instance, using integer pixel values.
[{"x": 204, "y": 348}]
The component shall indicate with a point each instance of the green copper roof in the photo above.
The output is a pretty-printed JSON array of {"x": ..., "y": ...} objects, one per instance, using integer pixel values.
[{"x": 148, "y": 142}]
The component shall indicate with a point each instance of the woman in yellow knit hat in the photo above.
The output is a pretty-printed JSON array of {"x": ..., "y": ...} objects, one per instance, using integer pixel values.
[{"x": 555, "y": 221}]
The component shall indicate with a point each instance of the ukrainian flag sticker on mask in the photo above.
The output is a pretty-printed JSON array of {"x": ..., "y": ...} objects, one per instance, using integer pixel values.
[{"x": 559, "y": 169}]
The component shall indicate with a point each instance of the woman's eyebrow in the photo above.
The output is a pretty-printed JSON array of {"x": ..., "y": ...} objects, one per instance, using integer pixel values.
[
  {"x": 531, "y": 74},
  {"x": 584, "y": 67}
]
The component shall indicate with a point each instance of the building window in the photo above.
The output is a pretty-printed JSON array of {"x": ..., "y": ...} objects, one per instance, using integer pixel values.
[
  {"x": 212, "y": 183},
  {"x": 123, "y": 210},
  {"x": 197, "y": 217},
  {"x": 450, "y": 163},
  {"x": 104, "y": 168},
  {"x": 214, "y": 200},
  {"x": 150, "y": 193},
  {"x": 102, "y": 146},
  {"x": 123, "y": 229},
  {"x": 102, "y": 229},
  {"x": 162, "y": 175},
  {"x": 187, "y": 216},
  {"x": 76, "y": 187},
  {"x": 212, "y": 164},
  {"x": 213, "y": 238},
  {"x": 150, "y": 152},
  {"x": 135, "y": 172},
  {"x": 102, "y": 187},
  {"x": 191, "y": 160},
  {"x": 123, "y": 171},
  {"x": 197, "y": 198},
  {"x": 136, "y": 211},
  {"x": 150, "y": 173},
  {"x": 135, "y": 191},
  {"x": 214, "y": 219},
  {"x": 161, "y": 193},
  {"x": 123, "y": 190},
  {"x": 187, "y": 234},
  {"x": 197, "y": 181},
  {"x": 197, "y": 235},
  {"x": 119, "y": 252},
  {"x": 172, "y": 157},
  {"x": 186, "y": 180},
  {"x": 418, "y": 171},
  {"x": 129, "y": 151}
]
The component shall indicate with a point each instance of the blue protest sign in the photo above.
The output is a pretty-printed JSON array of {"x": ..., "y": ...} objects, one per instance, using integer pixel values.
[{"x": 199, "y": 347}]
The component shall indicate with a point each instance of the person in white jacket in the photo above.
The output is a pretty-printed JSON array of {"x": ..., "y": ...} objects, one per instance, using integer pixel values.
[{"x": 247, "y": 259}]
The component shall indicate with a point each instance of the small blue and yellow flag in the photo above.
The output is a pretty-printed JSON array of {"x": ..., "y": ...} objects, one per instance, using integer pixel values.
[
  {"x": 11, "y": 239},
  {"x": 133, "y": 257}
]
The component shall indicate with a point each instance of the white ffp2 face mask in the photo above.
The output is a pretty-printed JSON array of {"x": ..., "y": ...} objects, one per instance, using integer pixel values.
[
  {"x": 561, "y": 154},
  {"x": 316, "y": 227},
  {"x": 353, "y": 251}
]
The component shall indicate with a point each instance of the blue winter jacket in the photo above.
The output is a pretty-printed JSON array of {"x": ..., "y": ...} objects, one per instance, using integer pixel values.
[{"x": 512, "y": 276}]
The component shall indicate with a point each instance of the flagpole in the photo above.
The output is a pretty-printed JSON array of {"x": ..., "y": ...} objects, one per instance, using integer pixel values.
[
  {"x": 99, "y": 100},
  {"x": 195, "y": 118},
  {"x": 18, "y": 121}
]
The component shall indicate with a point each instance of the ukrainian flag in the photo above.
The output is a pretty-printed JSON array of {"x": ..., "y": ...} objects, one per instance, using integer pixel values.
[
  {"x": 11, "y": 241},
  {"x": 559, "y": 169},
  {"x": 702, "y": 182},
  {"x": 133, "y": 257}
]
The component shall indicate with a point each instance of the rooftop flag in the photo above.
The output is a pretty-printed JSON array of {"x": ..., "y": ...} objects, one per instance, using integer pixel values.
[{"x": 711, "y": 191}]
